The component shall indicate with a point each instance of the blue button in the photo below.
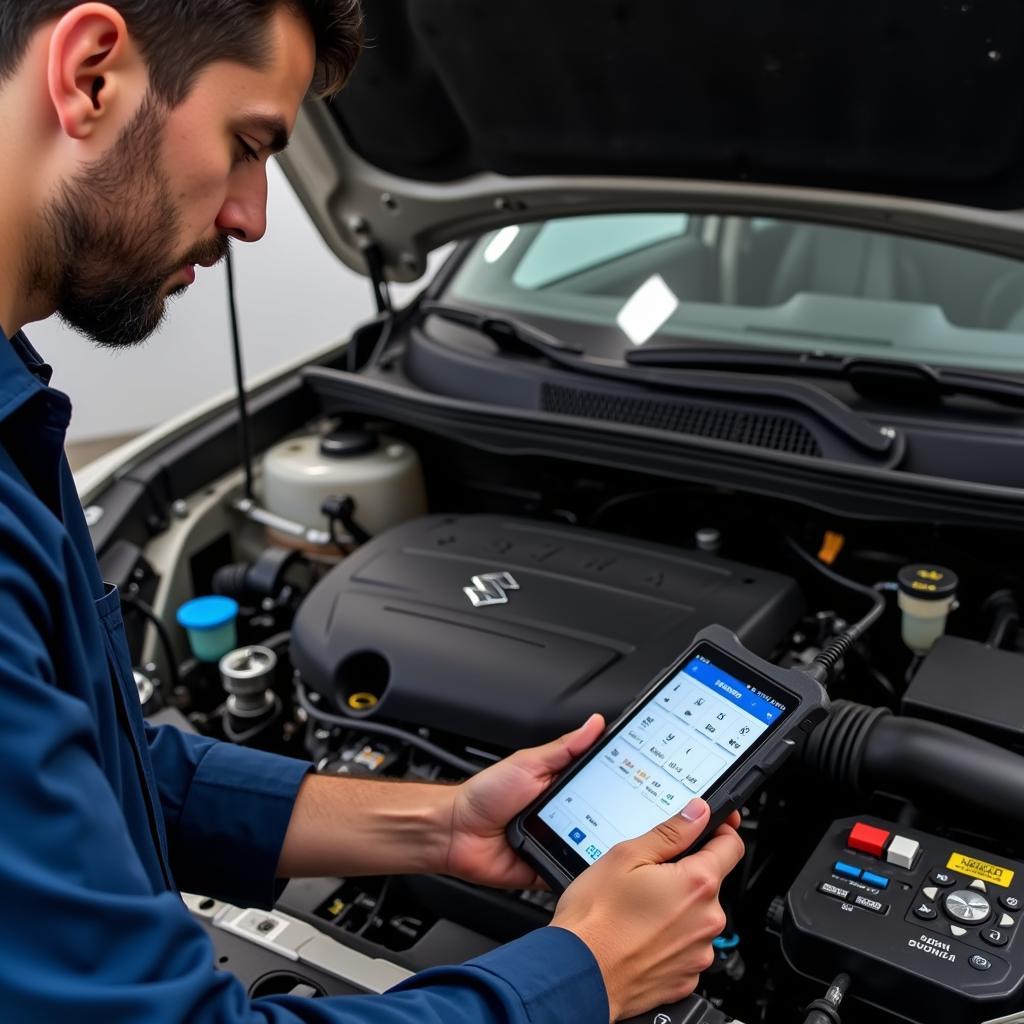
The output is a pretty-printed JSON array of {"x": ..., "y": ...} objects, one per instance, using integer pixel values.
[
  {"x": 879, "y": 881},
  {"x": 577, "y": 835},
  {"x": 846, "y": 870}
]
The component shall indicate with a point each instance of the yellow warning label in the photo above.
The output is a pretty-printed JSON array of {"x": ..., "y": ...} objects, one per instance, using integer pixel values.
[
  {"x": 918, "y": 585},
  {"x": 975, "y": 868},
  {"x": 930, "y": 574}
]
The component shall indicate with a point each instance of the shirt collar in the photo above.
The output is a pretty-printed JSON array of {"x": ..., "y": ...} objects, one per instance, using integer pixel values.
[
  {"x": 31, "y": 358},
  {"x": 23, "y": 375}
]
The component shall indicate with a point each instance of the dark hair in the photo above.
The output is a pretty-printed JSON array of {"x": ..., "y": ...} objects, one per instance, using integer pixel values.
[{"x": 178, "y": 38}]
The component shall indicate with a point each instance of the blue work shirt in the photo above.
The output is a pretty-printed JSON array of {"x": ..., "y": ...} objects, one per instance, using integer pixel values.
[{"x": 103, "y": 818}]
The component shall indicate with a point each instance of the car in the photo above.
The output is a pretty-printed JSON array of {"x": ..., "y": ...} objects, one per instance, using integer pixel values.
[{"x": 732, "y": 333}]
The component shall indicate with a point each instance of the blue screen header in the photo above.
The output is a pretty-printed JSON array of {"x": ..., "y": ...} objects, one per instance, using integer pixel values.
[{"x": 735, "y": 691}]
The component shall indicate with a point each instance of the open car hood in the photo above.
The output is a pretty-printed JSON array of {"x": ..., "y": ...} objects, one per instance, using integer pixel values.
[{"x": 467, "y": 115}]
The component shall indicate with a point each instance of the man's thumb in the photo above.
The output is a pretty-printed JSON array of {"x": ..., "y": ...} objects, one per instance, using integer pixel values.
[{"x": 675, "y": 835}]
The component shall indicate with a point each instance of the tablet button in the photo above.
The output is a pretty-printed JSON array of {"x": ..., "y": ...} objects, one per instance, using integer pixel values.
[{"x": 746, "y": 786}]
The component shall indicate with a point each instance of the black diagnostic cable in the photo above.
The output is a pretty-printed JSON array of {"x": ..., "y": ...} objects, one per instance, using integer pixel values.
[
  {"x": 825, "y": 661},
  {"x": 362, "y": 725},
  {"x": 826, "y": 1009}
]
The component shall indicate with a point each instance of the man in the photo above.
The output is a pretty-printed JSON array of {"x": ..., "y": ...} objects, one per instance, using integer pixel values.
[{"x": 136, "y": 136}]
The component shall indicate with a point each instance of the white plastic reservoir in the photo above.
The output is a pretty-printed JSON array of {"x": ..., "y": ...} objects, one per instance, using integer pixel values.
[{"x": 381, "y": 474}]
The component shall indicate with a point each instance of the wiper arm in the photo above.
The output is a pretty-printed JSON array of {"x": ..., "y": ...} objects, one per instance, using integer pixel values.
[
  {"x": 889, "y": 378},
  {"x": 513, "y": 337}
]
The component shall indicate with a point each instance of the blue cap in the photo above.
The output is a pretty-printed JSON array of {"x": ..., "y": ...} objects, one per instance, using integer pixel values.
[{"x": 207, "y": 613}]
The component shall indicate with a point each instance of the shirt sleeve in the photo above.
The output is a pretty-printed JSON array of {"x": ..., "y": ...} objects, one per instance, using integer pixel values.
[
  {"x": 546, "y": 977},
  {"x": 226, "y": 810},
  {"x": 83, "y": 936}
]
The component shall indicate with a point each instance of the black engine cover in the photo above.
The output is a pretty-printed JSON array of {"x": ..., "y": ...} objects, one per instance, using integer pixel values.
[{"x": 510, "y": 631}]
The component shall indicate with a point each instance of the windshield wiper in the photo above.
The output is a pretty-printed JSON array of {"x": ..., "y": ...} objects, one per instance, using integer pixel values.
[
  {"x": 874, "y": 378},
  {"x": 512, "y": 337},
  {"x": 515, "y": 337}
]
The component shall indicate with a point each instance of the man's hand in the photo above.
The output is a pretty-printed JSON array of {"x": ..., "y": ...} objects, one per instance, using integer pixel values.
[
  {"x": 485, "y": 804},
  {"x": 649, "y": 922}
]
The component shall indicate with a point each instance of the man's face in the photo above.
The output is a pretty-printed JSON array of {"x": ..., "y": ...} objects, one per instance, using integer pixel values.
[{"x": 130, "y": 230}]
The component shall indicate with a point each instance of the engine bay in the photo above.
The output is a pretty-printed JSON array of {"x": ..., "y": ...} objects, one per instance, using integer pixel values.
[{"x": 479, "y": 602}]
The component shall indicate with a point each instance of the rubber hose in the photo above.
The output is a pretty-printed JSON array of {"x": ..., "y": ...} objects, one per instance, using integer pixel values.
[
  {"x": 1005, "y": 619},
  {"x": 867, "y": 749}
]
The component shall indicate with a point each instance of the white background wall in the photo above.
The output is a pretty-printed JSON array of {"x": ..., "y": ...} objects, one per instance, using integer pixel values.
[{"x": 294, "y": 296}]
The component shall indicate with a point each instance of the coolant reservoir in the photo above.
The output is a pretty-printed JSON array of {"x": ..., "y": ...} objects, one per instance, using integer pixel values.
[{"x": 382, "y": 475}]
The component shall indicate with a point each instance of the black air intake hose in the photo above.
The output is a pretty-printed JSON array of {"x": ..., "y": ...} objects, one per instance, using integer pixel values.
[{"x": 867, "y": 749}]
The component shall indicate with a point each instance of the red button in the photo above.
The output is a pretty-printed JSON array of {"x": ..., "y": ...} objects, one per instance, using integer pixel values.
[{"x": 868, "y": 839}]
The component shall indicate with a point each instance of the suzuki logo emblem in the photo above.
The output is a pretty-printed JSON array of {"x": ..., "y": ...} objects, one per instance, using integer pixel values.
[{"x": 490, "y": 588}]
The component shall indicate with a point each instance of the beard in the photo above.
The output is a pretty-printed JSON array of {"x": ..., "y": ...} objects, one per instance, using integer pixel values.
[{"x": 106, "y": 263}]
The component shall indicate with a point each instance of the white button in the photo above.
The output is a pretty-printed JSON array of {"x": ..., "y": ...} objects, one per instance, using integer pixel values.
[
  {"x": 957, "y": 931},
  {"x": 902, "y": 851},
  {"x": 931, "y": 892},
  {"x": 1006, "y": 921},
  {"x": 978, "y": 884}
]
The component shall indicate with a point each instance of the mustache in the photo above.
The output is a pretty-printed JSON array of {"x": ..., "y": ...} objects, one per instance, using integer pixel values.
[{"x": 208, "y": 252}]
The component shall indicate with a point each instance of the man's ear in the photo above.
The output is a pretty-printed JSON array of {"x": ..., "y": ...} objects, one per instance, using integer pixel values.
[{"x": 91, "y": 57}]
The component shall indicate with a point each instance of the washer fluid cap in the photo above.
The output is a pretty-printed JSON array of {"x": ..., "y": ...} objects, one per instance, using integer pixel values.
[
  {"x": 210, "y": 624},
  {"x": 207, "y": 613},
  {"x": 348, "y": 444},
  {"x": 928, "y": 582}
]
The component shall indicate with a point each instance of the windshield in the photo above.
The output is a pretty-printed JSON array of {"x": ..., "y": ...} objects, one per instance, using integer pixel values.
[{"x": 672, "y": 279}]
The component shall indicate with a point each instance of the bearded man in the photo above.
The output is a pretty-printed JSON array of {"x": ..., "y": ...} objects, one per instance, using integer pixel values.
[{"x": 136, "y": 137}]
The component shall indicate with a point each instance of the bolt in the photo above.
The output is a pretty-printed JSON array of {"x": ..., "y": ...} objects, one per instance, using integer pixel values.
[{"x": 503, "y": 204}]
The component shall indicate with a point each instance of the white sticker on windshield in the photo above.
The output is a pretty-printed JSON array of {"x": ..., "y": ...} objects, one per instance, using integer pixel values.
[{"x": 647, "y": 310}]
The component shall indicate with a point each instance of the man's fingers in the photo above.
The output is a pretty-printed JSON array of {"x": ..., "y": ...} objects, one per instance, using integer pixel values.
[
  {"x": 558, "y": 754},
  {"x": 672, "y": 837},
  {"x": 724, "y": 850}
]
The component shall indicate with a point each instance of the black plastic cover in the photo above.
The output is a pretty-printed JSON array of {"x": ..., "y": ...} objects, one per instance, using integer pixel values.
[
  {"x": 973, "y": 687},
  {"x": 581, "y": 623}
]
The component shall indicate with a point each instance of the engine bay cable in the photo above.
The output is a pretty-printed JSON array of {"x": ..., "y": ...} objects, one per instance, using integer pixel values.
[
  {"x": 439, "y": 753},
  {"x": 826, "y": 1009},
  {"x": 826, "y": 660},
  {"x": 148, "y": 613},
  {"x": 872, "y": 594}
]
